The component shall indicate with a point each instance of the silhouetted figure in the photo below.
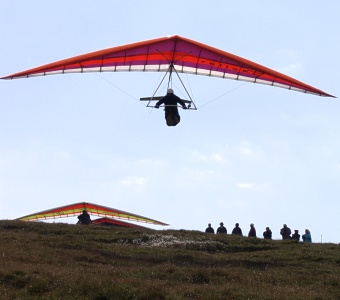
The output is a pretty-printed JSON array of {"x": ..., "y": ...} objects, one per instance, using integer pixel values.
[
  {"x": 307, "y": 237},
  {"x": 252, "y": 231},
  {"x": 84, "y": 218},
  {"x": 285, "y": 232},
  {"x": 210, "y": 229},
  {"x": 170, "y": 101},
  {"x": 221, "y": 229},
  {"x": 296, "y": 235},
  {"x": 237, "y": 230},
  {"x": 267, "y": 234}
]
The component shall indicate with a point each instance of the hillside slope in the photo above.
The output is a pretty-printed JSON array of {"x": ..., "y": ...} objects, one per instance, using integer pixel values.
[{"x": 63, "y": 261}]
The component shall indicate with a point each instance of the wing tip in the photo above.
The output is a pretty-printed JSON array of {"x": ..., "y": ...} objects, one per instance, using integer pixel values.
[{"x": 328, "y": 95}]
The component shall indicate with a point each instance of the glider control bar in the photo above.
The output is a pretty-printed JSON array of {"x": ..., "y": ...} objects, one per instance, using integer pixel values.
[{"x": 156, "y": 98}]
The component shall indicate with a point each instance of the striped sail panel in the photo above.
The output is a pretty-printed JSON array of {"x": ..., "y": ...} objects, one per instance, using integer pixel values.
[{"x": 184, "y": 55}]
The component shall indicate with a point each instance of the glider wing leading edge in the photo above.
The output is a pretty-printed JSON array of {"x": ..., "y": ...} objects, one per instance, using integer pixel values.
[{"x": 181, "y": 54}]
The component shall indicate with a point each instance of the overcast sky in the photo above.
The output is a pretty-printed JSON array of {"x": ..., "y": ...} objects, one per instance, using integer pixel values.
[{"x": 249, "y": 154}]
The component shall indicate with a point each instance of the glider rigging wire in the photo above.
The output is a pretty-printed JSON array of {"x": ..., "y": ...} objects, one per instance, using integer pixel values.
[
  {"x": 226, "y": 93},
  {"x": 117, "y": 87},
  {"x": 158, "y": 86}
]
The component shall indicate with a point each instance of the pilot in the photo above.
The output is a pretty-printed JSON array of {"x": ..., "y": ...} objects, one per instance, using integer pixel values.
[
  {"x": 84, "y": 218},
  {"x": 170, "y": 101}
]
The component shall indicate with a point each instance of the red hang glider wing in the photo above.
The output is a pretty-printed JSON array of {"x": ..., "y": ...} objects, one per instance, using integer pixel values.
[
  {"x": 93, "y": 209},
  {"x": 113, "y": 222},
  {"x": 184, "y": 55}
]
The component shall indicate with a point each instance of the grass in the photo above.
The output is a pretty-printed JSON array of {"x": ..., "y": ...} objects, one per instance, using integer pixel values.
[{"x": 63, "y": 261}]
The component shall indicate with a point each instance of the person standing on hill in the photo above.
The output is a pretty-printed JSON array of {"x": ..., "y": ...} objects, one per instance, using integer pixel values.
[
  {"x": 285, "y": 232},
  {"x": 84, "y": 218},
  {"x": 307, "y": 238},
  {"x": 296, "y": 235},
  {"x": 221, "y": 229},
  {"x": 252, "y": 231},
  {"x": 209, "y": 229},
  {"x": 237, "y": 230},
  {"x": 267, "y": 234}
]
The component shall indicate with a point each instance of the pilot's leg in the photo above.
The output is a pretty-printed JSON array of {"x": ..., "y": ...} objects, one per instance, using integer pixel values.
[
  {"x": 175, "y": 117},
  {"x": 169, "y": 116},
  {"x": 169, "y": 120},
  {"x": 176, "y": 120}
]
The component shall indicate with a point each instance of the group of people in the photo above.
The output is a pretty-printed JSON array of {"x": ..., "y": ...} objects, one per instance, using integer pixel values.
[{"x": 285, "y": 232}]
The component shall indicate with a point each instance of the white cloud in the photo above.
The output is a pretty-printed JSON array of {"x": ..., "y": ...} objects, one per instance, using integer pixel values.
[
  {"x": 291, "y": 69},
  {"x": 246, "y": 150},
  {"x": 245, "y": 185},
  {"x": 135, "y": 183},
  {"x": 251, "y": 186},
  {"x": 215, "y": 157},
  {"x": 287, "y": 56}
]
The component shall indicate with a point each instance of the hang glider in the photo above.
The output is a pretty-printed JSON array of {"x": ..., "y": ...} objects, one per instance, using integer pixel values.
[
  {"x": 113, "y": 222},
  {"x": 172, "y": 54},
  {"x": 93, "y": 209}
]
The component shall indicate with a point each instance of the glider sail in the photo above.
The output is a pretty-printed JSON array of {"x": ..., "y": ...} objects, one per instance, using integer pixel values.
[
  {"x": 171, "y": 53},
  {"x": 93, "y": 209},
  {"x": 113, "y": 222}
]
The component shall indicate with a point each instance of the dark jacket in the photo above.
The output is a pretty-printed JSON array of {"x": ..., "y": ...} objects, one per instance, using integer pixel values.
[
  {"x": 237, "y": 231},
  {"x": 221, "y": 229},
  {"x": 296, "y": 236},
  {"x": 84, "y": 218},
  {"x": 210, "y": 230},
  {"x": 285, "y": 232},
  {"x": 252, "y": 232},
  {"x": 267, "y": 234},
  {"x": 170, "y": 102}
]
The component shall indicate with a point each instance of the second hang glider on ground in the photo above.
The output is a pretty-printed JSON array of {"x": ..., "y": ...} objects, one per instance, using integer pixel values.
[{"x": 167, "y": 54}]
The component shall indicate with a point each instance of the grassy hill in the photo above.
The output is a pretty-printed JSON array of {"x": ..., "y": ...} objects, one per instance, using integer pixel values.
[{"x": 63, "y": 261}]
